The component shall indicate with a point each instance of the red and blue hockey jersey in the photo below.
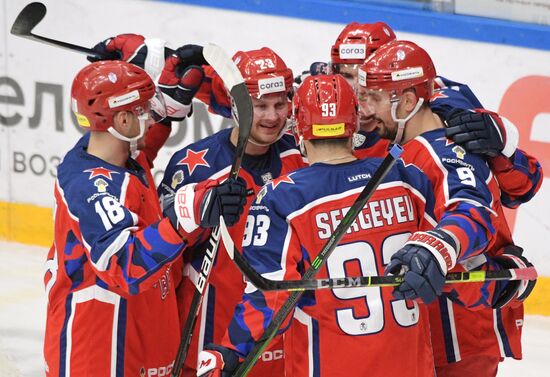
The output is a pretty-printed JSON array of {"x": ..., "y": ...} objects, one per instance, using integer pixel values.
[
  {"x": 345, "y": 331},
  {"x": 112, "y": 309},
  {"x": 211, "y": 158},
  {"x": 519, "y": 178},
  {"x": 463, "y": 182}
]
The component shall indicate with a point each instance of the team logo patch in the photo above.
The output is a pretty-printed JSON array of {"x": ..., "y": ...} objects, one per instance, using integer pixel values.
[
  {"x": 177, "y": 178},
  {"x": 100, "y": 172},
  {"x": 400, "y": 55},
  {"x": 101, "y": 185},
  {"x": 459, "y": 151},
  {"x": 261, "y": 194},
  {"x": 352, "y": 51},
  {"x": 358, "y": 140},
  {"x": 112, "y": 77},
  {"x": 194, "y": 159},
  {"x": 336, "y": 129},
  {"x": 266, "y": 177}
]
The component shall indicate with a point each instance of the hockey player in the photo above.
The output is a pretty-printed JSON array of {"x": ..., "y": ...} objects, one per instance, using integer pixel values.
[
  {"x": 344, "y": 331},
  {"x": 396, "y": 83},
  {"x": 112, "y": 309},
  {"x": 483, "y": 132},
  {"x": 268, "y": 155}
]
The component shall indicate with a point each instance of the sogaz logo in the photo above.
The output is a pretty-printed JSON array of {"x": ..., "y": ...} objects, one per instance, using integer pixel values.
[
  {"x": 353, "y": 51},
  {"x": 271, "y": 85}
]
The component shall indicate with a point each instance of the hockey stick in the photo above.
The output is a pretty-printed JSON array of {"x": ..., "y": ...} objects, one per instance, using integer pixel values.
[
  {"x": 319, "y": 260},
  {"x": 228, "y": 71},
  {"x": 33, "y": 13},
  {"x": 31, "y": 16},
  {"x": 264, "y": 284}
]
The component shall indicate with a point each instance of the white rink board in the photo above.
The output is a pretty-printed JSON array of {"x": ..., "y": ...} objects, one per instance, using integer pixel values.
[{"x": 489, "y": 69}]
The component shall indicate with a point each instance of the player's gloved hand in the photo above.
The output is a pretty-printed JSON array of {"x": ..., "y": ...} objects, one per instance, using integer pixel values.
[
  {"x": 217, "y": 361},
  {"x": 316, "y": 68},
  {"x": 190, "y": 55},
  {"x": 202, "y": 204},
  {"x": 147, "y": 54},
  {"x": 179, "y": 82},
  {"x": 512, "y": 292},
  {"x": 424, "y": 261},
  {"x": 483, "y": 132},
  {"x": 127, "y": 47}
]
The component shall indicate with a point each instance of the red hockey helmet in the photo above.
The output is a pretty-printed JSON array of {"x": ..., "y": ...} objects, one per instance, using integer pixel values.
[
  {"x": 358, "y": 41},
  {"x": 103, "y": 88},
  {"x": 264, "y": 71},
  {"x": 399, "y": 65},
  {"x": 325, "y": 107}
]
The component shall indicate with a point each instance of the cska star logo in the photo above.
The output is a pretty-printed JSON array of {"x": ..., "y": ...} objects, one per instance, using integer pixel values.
[
  {"x": 437, "y": 95},
  {"x": 100, "y": 171},
  {"x": 283, "y": 179},
  {"x": 193, "y": 159}
]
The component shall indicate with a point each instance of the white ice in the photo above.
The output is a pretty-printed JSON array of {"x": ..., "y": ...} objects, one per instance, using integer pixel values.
[{"x": 23, "y": 313}]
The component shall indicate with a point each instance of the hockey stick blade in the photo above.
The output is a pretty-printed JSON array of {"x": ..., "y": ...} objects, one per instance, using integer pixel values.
[
  {"x": 231, "y": 76},
  {"x": 31, "y": 16},
  {"x": 27, "y": 19},
  {"x": 319, "y": 260},
  {"x": 218, "y": 58}
]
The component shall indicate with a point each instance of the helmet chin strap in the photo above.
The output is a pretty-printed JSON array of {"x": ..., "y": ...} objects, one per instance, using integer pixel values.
[
  {"x": 401, "y": 122},
  {"x": 132, "y": 140}
]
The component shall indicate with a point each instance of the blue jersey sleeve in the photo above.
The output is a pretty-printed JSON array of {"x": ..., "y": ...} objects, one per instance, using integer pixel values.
[{"x": 271, "y": 247}]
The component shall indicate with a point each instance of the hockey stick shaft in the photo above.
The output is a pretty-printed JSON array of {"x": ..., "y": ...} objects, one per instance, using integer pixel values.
[
  {"x": 265, "y": 284},
  {"x": 316, "y": 264},
  {"x": 528, "y": 273},
  {"x": 232, "y": 78}
]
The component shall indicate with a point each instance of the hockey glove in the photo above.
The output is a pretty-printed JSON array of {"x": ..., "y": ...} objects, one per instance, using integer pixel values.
[
  {"x": 512, "y": 292},
  {"x": 202, "y": 204},
  {"x": 147, "y": 54},
  {"x": 482, "y": 132},
  {"x": 316, "y": 68},
  {"x": 190, "y": 55},
  {"x": 179, "y": 83},
  {"x": 217, "y": 361},
  {"x": 424, "y": 261}
]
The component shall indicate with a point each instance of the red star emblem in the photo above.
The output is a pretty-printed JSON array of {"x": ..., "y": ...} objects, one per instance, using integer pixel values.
[
  {"x": 438, "y": 95},
  {"x": 193, "y": 159},
  {"x": 284, "y": 179},
  {"x": 100, "y": 171}
]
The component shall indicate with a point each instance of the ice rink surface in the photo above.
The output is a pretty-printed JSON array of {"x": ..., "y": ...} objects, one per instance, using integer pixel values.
[{"x": 22, "y": 317}]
